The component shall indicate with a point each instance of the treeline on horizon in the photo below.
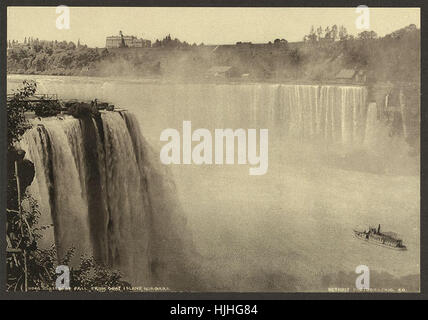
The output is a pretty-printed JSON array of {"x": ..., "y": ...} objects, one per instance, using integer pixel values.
[{"x": 320, "y": 56}]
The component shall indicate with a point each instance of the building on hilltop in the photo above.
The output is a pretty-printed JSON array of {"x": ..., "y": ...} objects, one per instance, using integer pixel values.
[{"x": 121, "y": 41}]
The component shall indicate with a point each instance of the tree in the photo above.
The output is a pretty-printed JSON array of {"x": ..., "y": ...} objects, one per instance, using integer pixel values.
[
  {"x": 16, "y": 107},
  {"x": 71, "y": 46},
  {"x": 334, "y": 32},
  {"x": 319, "y": 32},
  {"x": 24, "y": 233},
  {"x": 39, "y": 62},
  {"x": 327, "y": 33},
  {"x": 312, "y": 35},
  {"x": 47, "y": 108},
  {"x": 295, "y": 57},
  {"x": 343, "y": 33},
  {"x": 367, "y": 35}
]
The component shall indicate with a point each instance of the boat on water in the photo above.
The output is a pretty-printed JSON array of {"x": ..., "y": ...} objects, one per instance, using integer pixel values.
[{"x": 385, "y": 239}]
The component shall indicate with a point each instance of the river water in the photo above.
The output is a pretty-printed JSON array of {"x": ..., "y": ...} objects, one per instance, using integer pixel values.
[{"x": 332, "y": 168}]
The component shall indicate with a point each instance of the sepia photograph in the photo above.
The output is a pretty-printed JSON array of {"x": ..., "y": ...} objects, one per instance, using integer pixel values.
[{"x": 213, "y": 149}]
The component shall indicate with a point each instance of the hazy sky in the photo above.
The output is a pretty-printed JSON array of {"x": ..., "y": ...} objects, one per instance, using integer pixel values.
[{"x": 208, "y": 25}]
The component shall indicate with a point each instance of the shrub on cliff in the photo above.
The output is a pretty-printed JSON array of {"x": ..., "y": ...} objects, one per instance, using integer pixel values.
[
  {"x": 15, "y": 109},
  {"x": 41, "y": 263},
  {"x": 47, "y": 108}
]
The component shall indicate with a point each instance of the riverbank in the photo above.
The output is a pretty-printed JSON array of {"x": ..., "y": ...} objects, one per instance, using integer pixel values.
[{"x": 395, "y": 56}]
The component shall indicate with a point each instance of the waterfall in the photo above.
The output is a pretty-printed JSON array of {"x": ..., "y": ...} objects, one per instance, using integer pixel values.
[
  {"x": 58, "y": 183},
  {"x": 332, "y": 113},
  {"x": 310, "y": 113},
  {"x": 97, "y": 182},
  {"x": 372, "y": 124}
]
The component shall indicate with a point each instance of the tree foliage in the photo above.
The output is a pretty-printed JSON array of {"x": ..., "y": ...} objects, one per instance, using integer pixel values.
[
  {"x": 47, "y": 108},
  {"x": 169, "y": 42},
  {"x": 24, "y": 233},
  {"x": 323, "y": 53},
  {"x": 16, "y": 107},
  {"x": 52, "y": 57}
]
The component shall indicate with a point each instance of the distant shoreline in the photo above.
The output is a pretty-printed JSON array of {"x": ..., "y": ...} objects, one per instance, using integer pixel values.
[{"x": 166, "y": 80}]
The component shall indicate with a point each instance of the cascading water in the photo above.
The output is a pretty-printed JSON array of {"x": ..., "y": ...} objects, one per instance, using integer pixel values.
[
  {"x": 106, "y": 196},
  {"x": 332, "y": 113},
  {"x": 59, "y": 184}
]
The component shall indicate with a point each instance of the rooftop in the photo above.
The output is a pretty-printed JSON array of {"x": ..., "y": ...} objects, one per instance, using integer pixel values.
[{"x": 346, "y": 74}]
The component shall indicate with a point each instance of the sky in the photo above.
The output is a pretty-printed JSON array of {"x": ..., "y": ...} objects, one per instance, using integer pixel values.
[{"x": 195, "y": 25}]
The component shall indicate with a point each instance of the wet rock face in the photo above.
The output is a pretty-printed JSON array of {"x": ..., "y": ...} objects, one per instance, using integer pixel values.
[{"x": 26, "y": 175}]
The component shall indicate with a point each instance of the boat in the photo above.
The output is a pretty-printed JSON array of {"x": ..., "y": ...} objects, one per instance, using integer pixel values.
[{"x": 384, "y": 239}]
